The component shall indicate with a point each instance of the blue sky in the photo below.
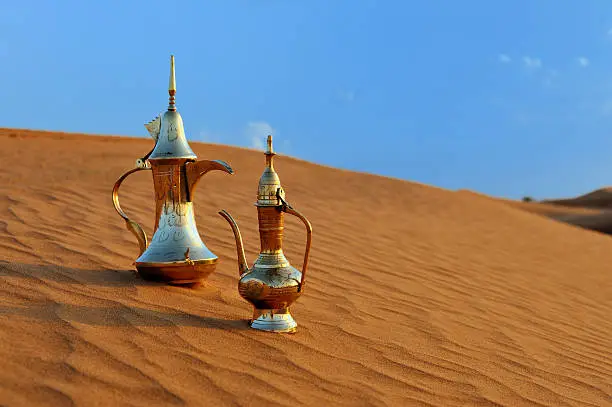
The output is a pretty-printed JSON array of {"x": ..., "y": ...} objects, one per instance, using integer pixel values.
[{"x": 507, "y": 97}]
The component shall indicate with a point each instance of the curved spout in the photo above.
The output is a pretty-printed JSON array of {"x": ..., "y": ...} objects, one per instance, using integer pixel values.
[
  {"x": 243, "y": 266},
  {"x": 195, "y": 170}
]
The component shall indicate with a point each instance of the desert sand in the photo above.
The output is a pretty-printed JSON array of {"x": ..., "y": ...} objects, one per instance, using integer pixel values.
[{"x": 417, "y": 296}]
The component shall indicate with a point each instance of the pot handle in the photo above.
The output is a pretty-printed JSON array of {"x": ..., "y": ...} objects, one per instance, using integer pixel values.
[
  {"x": 130, "y": 224},
  {"x": 290, "y": 210}
]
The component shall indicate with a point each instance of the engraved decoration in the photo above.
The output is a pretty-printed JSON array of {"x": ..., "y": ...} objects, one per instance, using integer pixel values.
[{"x": 172, "y": 131}]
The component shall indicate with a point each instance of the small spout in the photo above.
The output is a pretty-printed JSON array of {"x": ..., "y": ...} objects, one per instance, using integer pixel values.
[{"x": 243, "y": 266}]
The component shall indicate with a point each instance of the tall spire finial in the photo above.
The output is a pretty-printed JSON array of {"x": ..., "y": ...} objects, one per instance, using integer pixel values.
[
  {"x": 269, "y": 153},
  {"x": 172, "y": 85}
]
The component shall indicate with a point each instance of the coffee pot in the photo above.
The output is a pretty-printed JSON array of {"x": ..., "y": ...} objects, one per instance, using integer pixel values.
[
  {"x": 271, "y": 285},
  {"x": 176, "y": 253}
]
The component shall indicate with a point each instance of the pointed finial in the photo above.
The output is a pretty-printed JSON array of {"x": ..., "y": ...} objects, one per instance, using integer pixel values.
[
  {"x": 269, "y": 153},
  {"x": 172, "y": 85}
]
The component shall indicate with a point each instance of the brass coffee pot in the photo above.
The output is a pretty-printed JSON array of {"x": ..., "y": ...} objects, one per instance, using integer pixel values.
[
  {"x": 176, "y": 254},
  {"x": 272, "y": 285}
]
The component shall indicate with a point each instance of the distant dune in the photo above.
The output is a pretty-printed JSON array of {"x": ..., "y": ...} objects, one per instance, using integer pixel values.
[
  {"x": 599, "y": 199},
  {"x": 417, "y": 296},
  {"x": 590, "y": 211}
]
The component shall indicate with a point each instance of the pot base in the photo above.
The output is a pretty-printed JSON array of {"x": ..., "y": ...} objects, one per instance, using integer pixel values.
[
  {"x": 273, "y": 320},
  {"x": 183, "y": 273}
]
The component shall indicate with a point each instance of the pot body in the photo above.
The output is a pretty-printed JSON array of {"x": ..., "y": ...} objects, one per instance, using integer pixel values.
[{"x": 176, "y": 254}]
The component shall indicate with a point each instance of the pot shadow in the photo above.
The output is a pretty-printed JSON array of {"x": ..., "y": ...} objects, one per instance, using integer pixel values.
[
  {"x": 120, "y": 316},
  {"x": 103, "y": 277},
  {"x": 115, "y": 315}
]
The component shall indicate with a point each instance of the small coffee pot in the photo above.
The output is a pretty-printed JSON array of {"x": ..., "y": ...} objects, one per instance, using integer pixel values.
[
  {"x": 176, "y": 254},
  {"x": 272, "y": 285}
]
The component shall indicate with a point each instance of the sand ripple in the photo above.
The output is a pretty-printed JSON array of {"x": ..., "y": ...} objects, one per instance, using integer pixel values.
[{"x": 418, "y": 296}]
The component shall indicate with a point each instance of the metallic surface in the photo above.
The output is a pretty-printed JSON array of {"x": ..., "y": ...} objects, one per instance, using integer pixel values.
[
  {"x": 176, "y": 253},
  {"x": 171, "y": 141},
  {"x": 269, "y": 183},
  {"x": 132, "y": 226},
  {"x": 153, "y": 127},
  {"x": 272, "y": 285}
]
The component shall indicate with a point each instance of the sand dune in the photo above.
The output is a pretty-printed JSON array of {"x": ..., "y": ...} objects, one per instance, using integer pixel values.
[
  {"x": 598, "y": 203},
  {"x": 591, "y": 211},
  {"x": 599, "y": 199},
  {"x": 418, "y": 296},
  {"x": 547, "y": 208}
]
